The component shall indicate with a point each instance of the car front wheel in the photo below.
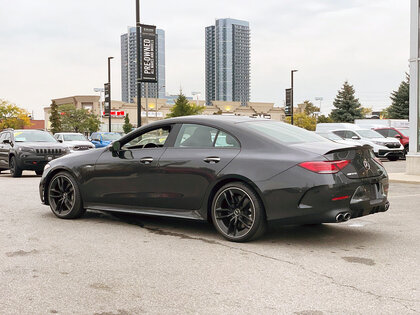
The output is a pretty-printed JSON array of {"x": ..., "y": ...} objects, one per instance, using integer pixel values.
[
  {"x": 15, "y": 170},
  {"x": 64, "y": 196},
  {"x": 238, "y": 213}
]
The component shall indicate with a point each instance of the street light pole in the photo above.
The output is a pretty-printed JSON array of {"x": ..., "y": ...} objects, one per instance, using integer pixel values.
[
  {"x": 291, "y": 101},
  {"x": 110, "y": 102},
  {"x": 138, "y": 63}
]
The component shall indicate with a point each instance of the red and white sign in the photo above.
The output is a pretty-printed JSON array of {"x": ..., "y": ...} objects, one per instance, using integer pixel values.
[{"x": 114, "y": 113}]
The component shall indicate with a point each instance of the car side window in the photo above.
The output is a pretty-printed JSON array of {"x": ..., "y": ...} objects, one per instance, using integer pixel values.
[
  {"x": 225, "y": 140},
  {"x": 195, "y": 136},
  {"x": 351, "y": 134},
  {"x": 340, "y": 133},
  {"x": 2, "y": 135},
  {"x": 392, "y": 133},
  {"x": 155, "y": 138}
]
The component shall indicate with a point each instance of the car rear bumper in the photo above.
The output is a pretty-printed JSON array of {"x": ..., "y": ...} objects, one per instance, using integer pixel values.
[{"x": 324, "y": 197}]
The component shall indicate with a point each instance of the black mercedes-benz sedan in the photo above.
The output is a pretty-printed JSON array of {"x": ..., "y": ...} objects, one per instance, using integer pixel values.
[{"x": 237, "y": 172}]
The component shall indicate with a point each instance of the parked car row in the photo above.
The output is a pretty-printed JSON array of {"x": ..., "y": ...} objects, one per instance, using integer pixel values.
[
  {"x": 387, "y": 143},
  {"x": 32, "y": 149}
]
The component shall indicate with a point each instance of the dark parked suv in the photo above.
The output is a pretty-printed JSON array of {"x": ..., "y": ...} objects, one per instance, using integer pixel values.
[{"x": 28, "y": 150}]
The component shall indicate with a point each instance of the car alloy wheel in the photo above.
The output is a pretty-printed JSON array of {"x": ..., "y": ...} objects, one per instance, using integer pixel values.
[
  {"x": 64, "y": 197},
  {"x": 15, "y": 171},
  {"x": 237, "y": 213}
]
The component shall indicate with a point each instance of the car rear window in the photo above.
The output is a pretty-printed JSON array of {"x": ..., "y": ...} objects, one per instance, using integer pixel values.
[{"x": 283, "y": 132}]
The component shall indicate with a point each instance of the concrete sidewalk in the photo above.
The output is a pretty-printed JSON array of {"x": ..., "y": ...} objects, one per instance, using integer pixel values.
[{"x": 403, "y": 178}]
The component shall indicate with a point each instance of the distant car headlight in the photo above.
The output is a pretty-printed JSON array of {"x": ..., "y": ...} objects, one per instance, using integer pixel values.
[
  {"x": 47, "y": 166},
  {"x": 26, "y": 149}
]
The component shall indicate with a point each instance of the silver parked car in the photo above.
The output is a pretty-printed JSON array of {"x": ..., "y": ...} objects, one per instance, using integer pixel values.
[{"x": 74, "y": 141}]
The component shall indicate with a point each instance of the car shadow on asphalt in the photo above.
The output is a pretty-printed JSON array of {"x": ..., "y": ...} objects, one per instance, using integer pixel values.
[{"x": 316, "y": 236}]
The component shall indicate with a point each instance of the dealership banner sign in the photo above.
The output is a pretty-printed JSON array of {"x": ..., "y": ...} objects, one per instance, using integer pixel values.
[{"x": 148, "y": 53}]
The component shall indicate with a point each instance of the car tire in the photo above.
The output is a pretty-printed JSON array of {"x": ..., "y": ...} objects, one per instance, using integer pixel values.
[
  {"x": 405, "y": 151},
  {"x": 238, "y": 213},
  {"x": 64, "y": 196},
  {"x": 39, "y": 172},
  {"x": 393, "y": 158},
  {"x": 15, "y": 170}
]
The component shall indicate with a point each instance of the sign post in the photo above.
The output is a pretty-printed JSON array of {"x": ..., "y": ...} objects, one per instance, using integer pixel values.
[
  {"x": 107, "y": 107},
  {"x": 288, "y": 108},
  {"x": 148, "y": 54}
]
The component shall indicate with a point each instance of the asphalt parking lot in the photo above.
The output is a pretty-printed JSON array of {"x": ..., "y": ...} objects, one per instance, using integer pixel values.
[{"x": 102, "y": 264}]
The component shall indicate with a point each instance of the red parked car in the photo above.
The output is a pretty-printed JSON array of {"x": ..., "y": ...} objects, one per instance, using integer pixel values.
[{"x": 400, "y": 133}]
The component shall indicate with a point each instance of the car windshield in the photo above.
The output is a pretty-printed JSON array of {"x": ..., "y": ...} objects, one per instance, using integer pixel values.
[
  {"x": 74, "y": 137},
  {"x": 283, "y": 132},
  {"x": 405, "y": 132},
  {"x": 33, "y": 136},
  {"x": 110, "y": 136},
  {"x": 370, "y": 134}
]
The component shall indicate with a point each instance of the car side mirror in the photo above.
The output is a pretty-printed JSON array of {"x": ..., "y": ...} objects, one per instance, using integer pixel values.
[
  {"x": 6, "y": 141},
  {"x": 355, "y": 138},
  {"x": 398, "y": 136},
  {"x": 96, "y": 139},
  {"x": 59, "y": 140}
]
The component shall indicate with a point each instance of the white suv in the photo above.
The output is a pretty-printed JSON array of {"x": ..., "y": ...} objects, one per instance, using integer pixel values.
[{"x": 382, "y": 147}]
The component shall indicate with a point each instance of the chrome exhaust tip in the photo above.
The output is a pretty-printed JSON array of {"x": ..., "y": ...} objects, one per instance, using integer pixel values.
[
  {"x": 347, "y": 216},
  {"x": 339, "y": 217}
]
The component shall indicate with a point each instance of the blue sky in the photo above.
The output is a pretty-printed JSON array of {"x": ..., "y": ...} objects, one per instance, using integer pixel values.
[{"x": 56, "y": 48}]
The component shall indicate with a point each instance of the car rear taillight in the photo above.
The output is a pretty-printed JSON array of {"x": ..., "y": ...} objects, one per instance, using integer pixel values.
[{"x": 325, "y": 167}]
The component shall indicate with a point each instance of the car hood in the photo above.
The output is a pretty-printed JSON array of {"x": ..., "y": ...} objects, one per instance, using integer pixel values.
[
  {"x": 74, "y": 143},
  {"x": 382, "y": 140}
]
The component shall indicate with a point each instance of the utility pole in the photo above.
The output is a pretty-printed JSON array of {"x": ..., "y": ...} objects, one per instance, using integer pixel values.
[
  {"x": 293, "y": 71},
  {"x": 109, "y": 83},
  {"x": 138, "y": 64}
]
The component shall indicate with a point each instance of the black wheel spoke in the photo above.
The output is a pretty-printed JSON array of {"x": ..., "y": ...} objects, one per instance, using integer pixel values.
[
  {"x": 246, "y": 225},
  {"x": 68, "y": 204},
  {"x": 228, "y": 198},
  {"x": 245, "y": 205},
  {"x": 224, "y": 216}
]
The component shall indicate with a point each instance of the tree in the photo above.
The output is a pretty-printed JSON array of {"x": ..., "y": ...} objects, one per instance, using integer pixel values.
[
  {"x": 366, "y": 111},
  {"x": 127, "y": 127},
  {"x": 310, "y": 108},
  {"x": 12, "y": 116},
  {"x": 77, "y": 120},
  {"x": 324, "y": 119},
  {"x": 184, "y": 108},
  {"x": 303, "y": 121},
  {"x": 55, "y": 118},
  {"x": 399, "y": 108},
  {"x": 347, "y": 107}
]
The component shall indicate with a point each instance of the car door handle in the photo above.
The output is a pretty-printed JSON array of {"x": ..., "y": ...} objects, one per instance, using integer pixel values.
[
  {"x": 146, "y": 160},
  {"x": 212, "y": 159}
]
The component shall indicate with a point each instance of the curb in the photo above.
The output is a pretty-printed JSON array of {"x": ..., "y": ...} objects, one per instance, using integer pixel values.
[{"x": 403, "y": 178}]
